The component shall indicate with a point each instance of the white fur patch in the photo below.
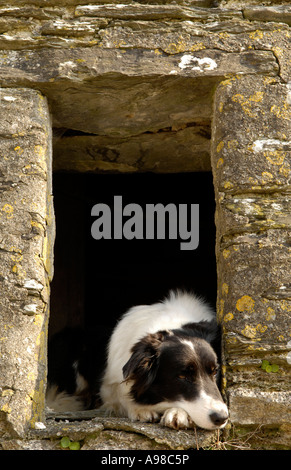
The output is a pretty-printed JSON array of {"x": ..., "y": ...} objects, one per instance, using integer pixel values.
[
  {"x": 81, "y": 382},
  {"x": 188, "y": 343},
  {"x": 62, "y": 401}
]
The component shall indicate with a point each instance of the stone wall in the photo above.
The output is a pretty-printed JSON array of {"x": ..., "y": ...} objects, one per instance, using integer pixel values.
[
  {"x": 27, "y": 236},
  {"x": 251, "y": 167},
  {"x": 164, "y": 87}
]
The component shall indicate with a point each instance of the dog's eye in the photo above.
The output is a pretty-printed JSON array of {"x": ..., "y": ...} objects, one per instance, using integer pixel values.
[
  {"x": 187, "y": 374},
  {"x": 212, "y": 370}
]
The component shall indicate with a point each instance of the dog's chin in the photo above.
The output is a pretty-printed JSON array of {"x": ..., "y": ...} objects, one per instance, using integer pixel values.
[{"x": 210, "y": 426}]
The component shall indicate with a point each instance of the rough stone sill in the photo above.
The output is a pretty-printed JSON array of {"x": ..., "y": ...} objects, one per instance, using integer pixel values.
[{"x": 95, "y": 431}]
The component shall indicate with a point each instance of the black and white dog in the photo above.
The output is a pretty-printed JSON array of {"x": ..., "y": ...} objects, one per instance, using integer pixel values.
[{"x": 161, "y": 365}]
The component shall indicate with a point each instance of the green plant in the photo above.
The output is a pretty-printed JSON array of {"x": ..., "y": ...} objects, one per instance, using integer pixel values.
[
  {"x": 66, "y": 443},
  {"x": 269, "y": 367}
]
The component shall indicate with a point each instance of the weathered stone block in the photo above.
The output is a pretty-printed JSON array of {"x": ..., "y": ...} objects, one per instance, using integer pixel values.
[
  {"x": 26, "y": 227},
  {"x": 95, "y": 431},
  {"x": 272, "y": 408},
  {"x": 252, "y": 135},
  {"x": 280, "y": 13}
]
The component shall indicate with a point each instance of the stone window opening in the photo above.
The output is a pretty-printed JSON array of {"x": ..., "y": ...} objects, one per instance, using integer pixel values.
[{"x": 154, "y": 149}]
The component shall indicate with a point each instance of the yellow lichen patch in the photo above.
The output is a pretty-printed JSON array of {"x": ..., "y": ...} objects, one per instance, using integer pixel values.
[
  {"x": 7, "y": 392},
  {"x": 223, "y": 35},
  {"x": 220, "y": 107},
  {"x": 228, "y": 185},
  {"x": 252, "y": 347},
  {"x": 219, "y": 146},
  {"x": 199, "y": 46},
  {"x": 270, "y": 81},
  {"x": 41, "y": 346},
  {"x": 284, "y": 171},
  {"x": 19, "y": 270},
  {"x": 220, "y": 309},
  {"x": 6, "y": 408},
  {"x": 253, "y": 180},
  {"x": 275, "y": 157},
  {"x": 31, "y": 376},
  {"x": 266, "y": 177},
  {"x": 257, "y": 97},
  {"x": 40, "y": 150},
  {"x": 224, "y": 289},
  {"x": 176, "y": 48},
  {"x": 281, "y": 113},
  {"x": 38, "y": 319},
  {"x": 38, "y": 399},
  {"x": 27, "y": 406},
  {"x": 245, "y": 303},
  {"x": 285, "y": 305},
  {"x": 224, "y": 380},
  {"x": 231, "y": 340},
  {"x": 261, "y": 328},
  {"x": 16, "y": 254},
  {"x": 232, "y": 144},
  {"x": 270, "y": 315},
  {"x": 8, "y": 210},
  {"x": 228, "y": 81},
  {"x": 16, "y": 257},
  {"x": 256, "y": 35},
  {"x": 238, "y": 98},
  {"x": 220, "y": 162},
  {"x": 226, "y": 253},
  {"x": 249, "y": 332},
  {"x": 47, "y": 257},
  {"x": 18, "y": 150},
  {"x": 247, "y": 103},
  {"x": 228, "y": 317}
]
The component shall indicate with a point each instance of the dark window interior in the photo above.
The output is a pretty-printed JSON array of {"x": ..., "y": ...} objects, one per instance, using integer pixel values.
[{"x": 95, "y": 281}]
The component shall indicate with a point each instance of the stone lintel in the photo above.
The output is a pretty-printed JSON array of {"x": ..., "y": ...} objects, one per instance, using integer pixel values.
[{"x": 79, "y": 64}]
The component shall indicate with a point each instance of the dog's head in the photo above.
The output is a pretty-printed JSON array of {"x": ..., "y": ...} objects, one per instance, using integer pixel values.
[{"x": 179, "y": 368}]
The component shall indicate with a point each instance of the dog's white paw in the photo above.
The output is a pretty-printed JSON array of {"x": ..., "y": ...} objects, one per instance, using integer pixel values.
[
  {"x": 143, "y": 415},
  {"x": 176, "y": 418}
]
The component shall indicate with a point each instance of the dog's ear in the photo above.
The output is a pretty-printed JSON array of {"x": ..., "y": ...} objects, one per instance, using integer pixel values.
[{"x": 143, "y": 364}]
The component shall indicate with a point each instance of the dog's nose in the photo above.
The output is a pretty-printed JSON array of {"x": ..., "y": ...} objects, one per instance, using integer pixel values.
[{"x": 219, "y": 418}]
